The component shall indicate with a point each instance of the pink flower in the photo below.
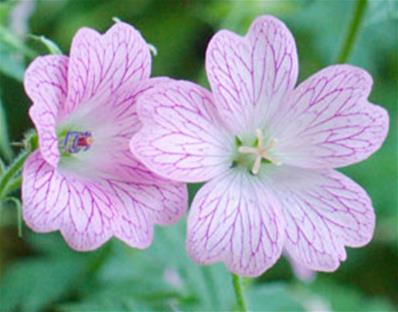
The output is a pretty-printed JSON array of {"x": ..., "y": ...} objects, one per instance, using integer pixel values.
[
  {"x": 84, "y": 180},
  {"x": 267, "y": 150}
]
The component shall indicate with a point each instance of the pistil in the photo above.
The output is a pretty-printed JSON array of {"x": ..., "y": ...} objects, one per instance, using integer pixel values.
[{"x": 260, "y": 152}]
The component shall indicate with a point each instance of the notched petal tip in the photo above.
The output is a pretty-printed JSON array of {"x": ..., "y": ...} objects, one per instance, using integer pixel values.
[
  {"x": 382, "y": 118},
  {"x": 359, "y": 78},
  {"x": 267, "y": 21},
  {"x": 250, "y": 75},
  {"x": 328, "y": 121},
  {"x": 84, "y": 241},
  {"x": 235, "y": 220},
  {"x": 104, "y": 65},
  {"x": 325, "y": 212},
  {"x": 130, "y": 238}
]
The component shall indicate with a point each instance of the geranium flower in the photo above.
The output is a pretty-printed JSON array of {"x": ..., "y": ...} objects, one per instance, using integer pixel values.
[
  {"x": 267, "y": 150},
  {"x": 84, "y": 181}
]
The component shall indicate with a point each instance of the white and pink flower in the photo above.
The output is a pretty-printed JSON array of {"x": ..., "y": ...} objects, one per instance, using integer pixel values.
[
  {"x": 267, "y": 150},
  {"x": 84, "y": 181}
]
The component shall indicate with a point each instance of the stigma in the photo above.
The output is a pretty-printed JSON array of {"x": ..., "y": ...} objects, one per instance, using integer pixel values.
[
  {"x": 76, "y": 141},
  {"x": 260, "y": 152}
]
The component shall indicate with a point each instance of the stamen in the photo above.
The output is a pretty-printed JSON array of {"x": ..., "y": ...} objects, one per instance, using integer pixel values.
[
  {"x": 76, "y": 141},
  {"x": 256, "y": 165},
  {"x": 260, "y": 152}
]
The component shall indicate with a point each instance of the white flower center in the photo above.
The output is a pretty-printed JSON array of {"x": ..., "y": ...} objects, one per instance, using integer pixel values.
[{"x": 260, "y": 152}]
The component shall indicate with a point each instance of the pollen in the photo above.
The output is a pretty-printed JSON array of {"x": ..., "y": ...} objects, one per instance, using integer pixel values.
[{"x": 260, "y": 152}]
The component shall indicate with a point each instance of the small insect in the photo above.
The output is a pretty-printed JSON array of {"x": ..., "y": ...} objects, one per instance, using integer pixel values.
[{"x": 76, "y": 141}]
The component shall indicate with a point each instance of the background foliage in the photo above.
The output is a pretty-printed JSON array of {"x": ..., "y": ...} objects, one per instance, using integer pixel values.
[{"x": 40, "y": 273}]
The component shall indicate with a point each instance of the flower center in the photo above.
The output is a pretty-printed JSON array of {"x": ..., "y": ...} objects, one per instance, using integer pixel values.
[
  {"x": 76, "y": 141},
  {"x": 260, "y": 152}
]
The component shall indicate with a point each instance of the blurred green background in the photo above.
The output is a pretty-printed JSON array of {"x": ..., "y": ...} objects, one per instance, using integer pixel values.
[{"x": 40, "y": 273}]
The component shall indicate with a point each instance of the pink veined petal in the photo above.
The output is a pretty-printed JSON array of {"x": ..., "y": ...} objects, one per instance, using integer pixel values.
[
  {"x": 328, "y": 121},
  {"x": 83, "y": 212},
  {"x": 236, "y": 220},
  {"x": 181, "y": 139},
  {"x": 102, "y": 64},
  {"x": 112, "y": 126},
  {"x": 143, "y": 198},
  {"x": 46, "y": 84},
  {"x": 124, "y": 119},
  {"x": 88, "y": 213},
  {"x": 250, "y": 75},
  {"x": 325, "y": 211}
]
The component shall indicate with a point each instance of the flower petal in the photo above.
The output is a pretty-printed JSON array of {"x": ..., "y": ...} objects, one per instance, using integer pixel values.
[
  {"x": 46, "y": 84},
  {"x": 328, "y": 121},
  {"x": 144, "y": 199},
  {"x": 250, "y": 75},
  {"x": 182, "y": 138},
  {"x": 82, "y": 211},
  {"x": 88, "y": 213},
  {"x": 102, "y": 64},
  {"x": 235, "y": 219},
  {"x": 112, "y": 125},
  {"x": 324, "y": 211}
]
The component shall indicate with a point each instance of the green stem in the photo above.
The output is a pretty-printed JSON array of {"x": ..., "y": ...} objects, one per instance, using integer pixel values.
[
  {"x": 9, "y": 179},
  {"x": 11, "y": 171},
  {"x": 13, "y": 185},
  {"x": 240, "y": 299},
  {"x": 352, "y": 33},
  {"x": 18, "y": 206}
]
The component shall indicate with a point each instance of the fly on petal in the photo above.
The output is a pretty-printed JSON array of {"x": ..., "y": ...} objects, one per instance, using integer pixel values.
[{"x": 76, "y": 141}]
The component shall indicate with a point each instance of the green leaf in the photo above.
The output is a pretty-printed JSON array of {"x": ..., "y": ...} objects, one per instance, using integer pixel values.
[
  {"x": 238, "y": 15},
  {"x": 169, "y": 275},
  {"x": 15, "y": 43},
  {"x": 381, "y": 11},
  {"x": 18, "y": 206},
  {"x": 193, "y": 189},
  {"x": 272, "y": 297},
  {"x": 209, "y": 287},
  {"x": 5, "y": 9},
  {"x": 127, "y": 295},
  {"x": 2, "y": 166},
  {"x": 345, "y": 298},
  {"x": 12, "y": 52},
  {"x": 5, "y": 146},
  {"x": 11, "y": 64},
  {"x": 33, "y": 284},
  {"x": 50, "y": 45}
]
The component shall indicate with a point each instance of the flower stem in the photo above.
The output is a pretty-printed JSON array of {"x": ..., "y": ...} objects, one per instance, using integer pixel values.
[
  {"x": 240, "y": 299},
  {"x": 13, "y": 185},
  {"x": 352, "y": 32},
  {"x": 10, "y": 179},
  {"x": 11, "y": 171}
]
